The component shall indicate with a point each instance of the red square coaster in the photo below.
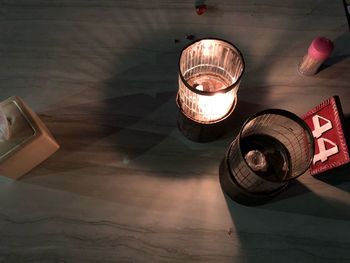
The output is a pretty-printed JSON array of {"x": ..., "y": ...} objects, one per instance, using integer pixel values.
[{"x": 325, "y": 122}]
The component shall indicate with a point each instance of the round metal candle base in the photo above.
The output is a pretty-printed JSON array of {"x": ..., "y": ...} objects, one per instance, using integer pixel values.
[
  {"x": 200, "y": 132},
  {"x": 230, "y": 186}
]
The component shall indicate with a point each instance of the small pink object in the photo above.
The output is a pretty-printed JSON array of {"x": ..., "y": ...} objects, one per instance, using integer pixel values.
[{"x": 320, "y": 48}]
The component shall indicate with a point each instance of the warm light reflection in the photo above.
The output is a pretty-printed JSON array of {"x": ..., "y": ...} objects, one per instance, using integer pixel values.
[
  {"x": 207, "y": 46},
  {"x": 214, "y": 107}
]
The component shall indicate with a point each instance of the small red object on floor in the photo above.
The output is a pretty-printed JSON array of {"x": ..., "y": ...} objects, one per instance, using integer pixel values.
[
  {"x": 201, "y": 9},
  {"x": 325, "y": 121}
]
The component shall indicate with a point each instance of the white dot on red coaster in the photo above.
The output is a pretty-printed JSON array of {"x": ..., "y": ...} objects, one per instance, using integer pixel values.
[{"x": 326, "y": 123}]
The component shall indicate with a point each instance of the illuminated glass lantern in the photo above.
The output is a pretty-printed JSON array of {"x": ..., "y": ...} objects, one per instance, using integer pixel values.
[
  {"x": 210, "y": 71},
  {"x": 272, "y": 148}
]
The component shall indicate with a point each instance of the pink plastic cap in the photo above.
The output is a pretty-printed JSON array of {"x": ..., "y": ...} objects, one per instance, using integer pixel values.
[{"x": 320, "y": 48}]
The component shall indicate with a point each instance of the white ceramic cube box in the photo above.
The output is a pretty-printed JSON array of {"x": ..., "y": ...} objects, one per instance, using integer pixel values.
[{"x": 29, "y": 143}]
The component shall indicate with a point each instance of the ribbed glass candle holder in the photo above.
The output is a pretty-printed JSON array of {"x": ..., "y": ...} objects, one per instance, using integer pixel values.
[
  {"x": 273, "y": 147},
  {"x": 210, "y": 71}
]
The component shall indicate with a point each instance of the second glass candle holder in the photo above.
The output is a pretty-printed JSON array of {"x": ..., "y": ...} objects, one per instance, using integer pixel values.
[{"x": 273, "y": 147}]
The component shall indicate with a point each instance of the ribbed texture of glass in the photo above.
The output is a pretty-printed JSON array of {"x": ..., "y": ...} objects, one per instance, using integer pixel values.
[
  {"x": 209, "y": 65},
  {"x": 295, "y": 140}
]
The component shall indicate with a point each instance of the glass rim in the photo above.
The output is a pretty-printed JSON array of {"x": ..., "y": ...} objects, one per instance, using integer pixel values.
[
  {"x": 210, "y": 93},
  {"x": 291, "y": 116}
]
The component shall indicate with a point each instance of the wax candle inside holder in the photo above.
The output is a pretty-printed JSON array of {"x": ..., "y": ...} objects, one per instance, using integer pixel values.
[
  {"x": 272, "y": 148},
  {"x": 210, "y": 71}
]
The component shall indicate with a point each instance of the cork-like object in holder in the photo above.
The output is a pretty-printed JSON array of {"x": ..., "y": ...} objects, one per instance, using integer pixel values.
[{"x": 30, "y": 142}]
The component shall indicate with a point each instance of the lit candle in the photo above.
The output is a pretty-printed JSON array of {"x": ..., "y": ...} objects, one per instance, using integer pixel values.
[{"x": 209, "y": 77}]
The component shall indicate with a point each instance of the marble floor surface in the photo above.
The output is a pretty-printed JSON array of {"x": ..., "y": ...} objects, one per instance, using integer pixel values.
[{"x": 126, "y": 186}]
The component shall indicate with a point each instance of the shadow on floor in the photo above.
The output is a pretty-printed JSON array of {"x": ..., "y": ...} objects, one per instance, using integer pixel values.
[{"x": 341, "y": 51}]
